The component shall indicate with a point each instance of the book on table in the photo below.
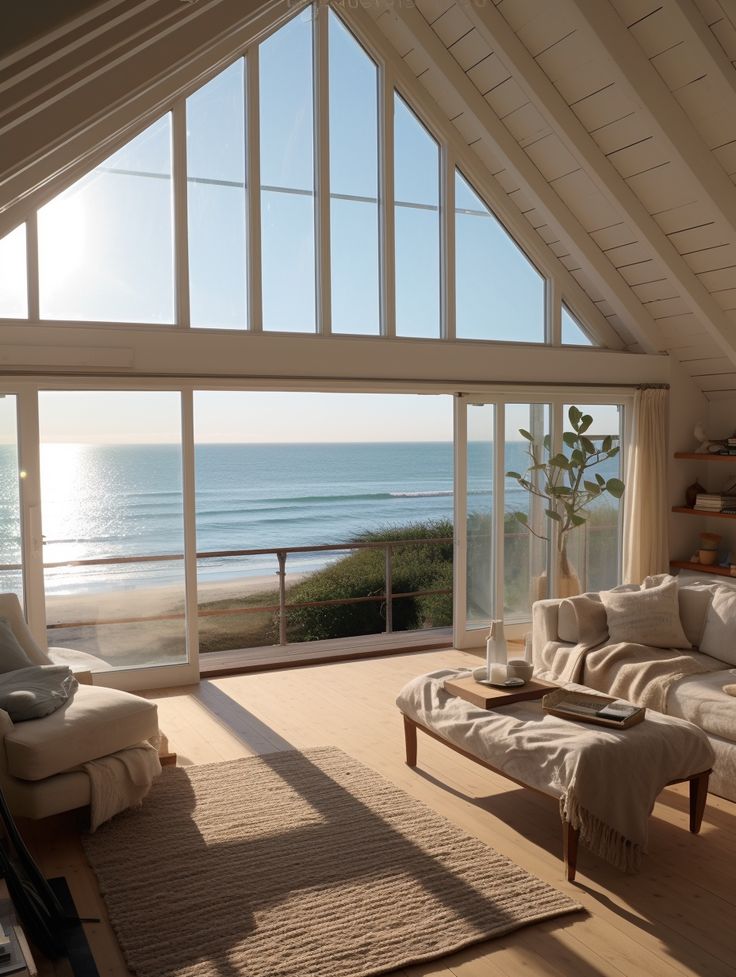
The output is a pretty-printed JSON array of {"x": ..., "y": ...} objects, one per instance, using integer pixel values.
[{"x": 591, "y": 707}]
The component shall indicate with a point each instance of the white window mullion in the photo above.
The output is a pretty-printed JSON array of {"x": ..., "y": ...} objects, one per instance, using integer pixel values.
[
  {"x": 386, "y": 210},
  {"x": 447, "y": 242},
  {"x": 34, "y": 313},
  {"x": 553, "y": 303},
  {"x": 460, "y": 516},
  {"x": 181, "y": 217},
  {"x": 499, "y": 508},
  {"x": 190, "y": 529},
  {"x": 253, "y": 192},
  {"x": 322, "y": 168},
  {"x": 29, "y": 464}
]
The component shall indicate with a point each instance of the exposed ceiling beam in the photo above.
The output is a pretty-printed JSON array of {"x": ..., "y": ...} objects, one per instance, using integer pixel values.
[
  {"x": 718, "y": 63},
  {"x": 504, "y": 146},
  {"x": 494, "y": 29},
  {"x": 666, "y": 119}
]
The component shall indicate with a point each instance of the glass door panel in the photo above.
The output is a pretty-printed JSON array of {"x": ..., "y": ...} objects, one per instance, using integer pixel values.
[
  {"x": 11, "y": 572},
  {"x": 480, "y": 599},
  {"x": 112, "y": 509},
  {"x": 525, "y": 549},
  {"x": 594, "y": 549}
]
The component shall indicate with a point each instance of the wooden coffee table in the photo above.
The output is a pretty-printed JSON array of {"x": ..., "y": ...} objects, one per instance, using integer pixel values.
[{"x": 570, "y": 836}]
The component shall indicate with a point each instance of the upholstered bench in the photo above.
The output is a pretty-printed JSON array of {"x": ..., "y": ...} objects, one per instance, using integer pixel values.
[{"x": 606, "y": 780}]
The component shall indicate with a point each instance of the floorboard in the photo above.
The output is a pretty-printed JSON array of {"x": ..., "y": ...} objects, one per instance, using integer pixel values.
[{"x": 674, "y": 919}]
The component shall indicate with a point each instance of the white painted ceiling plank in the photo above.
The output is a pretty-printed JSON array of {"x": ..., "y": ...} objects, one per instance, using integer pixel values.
[
  {"x": 650, "y": 94},
  {"x": 540, "y": 90}
]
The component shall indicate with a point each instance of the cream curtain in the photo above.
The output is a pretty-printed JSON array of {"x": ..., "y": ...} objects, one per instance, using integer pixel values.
[{"x": 646, "y": 534}]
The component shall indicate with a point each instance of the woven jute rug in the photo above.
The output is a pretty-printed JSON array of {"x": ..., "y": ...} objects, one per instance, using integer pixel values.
[{"x": 300, "y": 865}]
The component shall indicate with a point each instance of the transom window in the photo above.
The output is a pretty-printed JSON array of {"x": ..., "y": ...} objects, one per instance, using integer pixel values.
[{"x": 292, "y": 192}]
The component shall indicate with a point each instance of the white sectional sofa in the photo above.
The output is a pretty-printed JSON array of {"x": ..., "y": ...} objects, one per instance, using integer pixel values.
[{"x": 708, "y": 617}]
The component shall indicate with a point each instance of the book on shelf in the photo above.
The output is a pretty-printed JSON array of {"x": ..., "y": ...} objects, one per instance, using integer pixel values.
[{"x": 708, "y": 502}]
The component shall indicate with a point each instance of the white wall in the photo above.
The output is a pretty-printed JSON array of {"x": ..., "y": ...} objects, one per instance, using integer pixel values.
[{"x": 721, "y": 422}]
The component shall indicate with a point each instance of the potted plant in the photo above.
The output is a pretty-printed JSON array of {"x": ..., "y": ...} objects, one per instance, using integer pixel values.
[{"x": 566, "y": 486}]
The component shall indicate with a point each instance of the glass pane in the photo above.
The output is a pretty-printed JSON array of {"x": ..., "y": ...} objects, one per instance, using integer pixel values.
[
  {"x": 13, "y": 283},
  {"x": 355, "y": 272},
  {"x": 11, "y": 577},
  {"x": 287, "y": 257},
  {"x": 572, "y": 331},
  {"x": 353, "y": 94},
  {"x": 480, "y": 570},
  {"x": 266, "y": 481},
  {"x": 594, "y": 548},
  {"x": 525, "y": 555},
  {"x": 105, "y": 244},
  {"x": 417, "y": 230},
  {"x": 287, "y": 177},
  {"x": 216, "y": 201},
  {"x": 499, "y": 293},
  {"x": 111, "y": 491},
  {"x": 286, "y": 112}
]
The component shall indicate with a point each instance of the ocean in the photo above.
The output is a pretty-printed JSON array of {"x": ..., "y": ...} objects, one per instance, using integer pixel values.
[{"x": 107, "y": 501}]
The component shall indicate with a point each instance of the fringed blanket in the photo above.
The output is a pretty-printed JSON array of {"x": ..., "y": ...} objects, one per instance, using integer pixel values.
[
  {"x": 606, "y": 780},
  {"x": 120, "y": 781}
]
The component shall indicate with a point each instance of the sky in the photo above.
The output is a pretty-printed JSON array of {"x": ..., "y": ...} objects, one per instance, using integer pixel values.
[{"x": 105, "y": 247}]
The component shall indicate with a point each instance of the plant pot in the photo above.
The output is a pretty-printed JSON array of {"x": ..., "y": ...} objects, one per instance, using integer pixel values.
[
  {"x": 568, "y": 582},
  {"x": 707, "y": 557}
]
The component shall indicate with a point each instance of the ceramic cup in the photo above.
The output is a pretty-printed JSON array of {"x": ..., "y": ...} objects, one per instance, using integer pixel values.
[{"x": 519, "y": 668}]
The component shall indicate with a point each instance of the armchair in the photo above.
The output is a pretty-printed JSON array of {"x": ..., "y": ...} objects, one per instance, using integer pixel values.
[{"x": 41, "y": 760}]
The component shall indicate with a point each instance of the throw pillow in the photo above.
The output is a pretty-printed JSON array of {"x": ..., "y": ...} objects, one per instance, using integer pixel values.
[
  {"x": 650, "y": 616},
  {"x": 12, "y": 655},
  {"x": 37, "y": 691},
  {"x": 719, "y": 637}
]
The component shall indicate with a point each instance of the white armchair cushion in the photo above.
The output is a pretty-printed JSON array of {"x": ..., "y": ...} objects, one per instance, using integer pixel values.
[{"x": 94, "y": 723}]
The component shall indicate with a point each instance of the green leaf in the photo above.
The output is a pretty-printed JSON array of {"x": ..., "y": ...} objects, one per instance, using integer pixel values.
[
  {"x": 570, "y": 439},
  {"x": 525, "y": 434},
  {"x": 616, "y": 487},
  {"x": 562, "y": 490},
  {"x": 592, "y": 487},
  {"x": 560, "y": 461},
  {"x": 577, "y": 520},
  {"x": 613, "y": 452},
  {"x": 522, "y": 518},
  {"x": 553, "y": 515},
  {"x": 574, "y": 414},
  {"x": 515, "y": 475},
  {"x": 588, "y": 445},
  {"x": 577, "y": 457},
  {"x": 607, "y": 443},
  {"x": 585, "y": 423},
  {"x": 600, "y": 479},
  {"x": 546, "y": 441}
]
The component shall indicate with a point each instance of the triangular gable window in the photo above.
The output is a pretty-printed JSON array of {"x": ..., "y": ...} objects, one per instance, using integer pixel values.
[
  {"x": 13, "y": 279},
  {"x": 573, "y": 333}
]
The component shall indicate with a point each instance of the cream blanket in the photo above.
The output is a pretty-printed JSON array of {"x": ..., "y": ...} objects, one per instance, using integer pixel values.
[
  {"x": 120, "y": 781},
  {"x": 606, "y": 780}
]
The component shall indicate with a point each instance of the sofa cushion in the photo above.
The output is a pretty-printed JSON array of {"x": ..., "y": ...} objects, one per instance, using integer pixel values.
[
  {"x": 695, "y": 603},
  {"x": 701, "y": 700},
  {"x": 94, "y": 723},
  {"x": 650, "y": 616},
  {"x": 12, "y": 656},
  {"x": 719, "y": 636},
  {"x": 582, "y": 618}
]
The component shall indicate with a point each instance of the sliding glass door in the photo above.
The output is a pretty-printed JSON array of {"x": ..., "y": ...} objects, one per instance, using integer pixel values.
[
  {"x": 11, "y": 563},
  {"x": 504, "y": 539},
  {"x": 112, "y": 496}
]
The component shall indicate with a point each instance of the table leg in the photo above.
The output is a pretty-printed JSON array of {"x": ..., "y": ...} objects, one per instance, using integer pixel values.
[
  {"x": 410, "y": 737},
  {"x": 570, "y": 837},
  {"x": 698, "y": 796}
]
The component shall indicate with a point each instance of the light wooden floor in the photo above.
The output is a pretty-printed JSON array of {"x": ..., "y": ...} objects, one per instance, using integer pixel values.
[{"x": 675, "y": 918}]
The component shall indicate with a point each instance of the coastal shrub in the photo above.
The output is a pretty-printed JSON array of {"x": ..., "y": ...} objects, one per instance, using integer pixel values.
[{"x": 362, "y": 574}]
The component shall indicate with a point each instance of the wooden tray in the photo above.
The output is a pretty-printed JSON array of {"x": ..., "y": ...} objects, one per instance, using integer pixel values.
[
  {"x": 552, "y": 703},
  {"x": 491, "y": 698}
]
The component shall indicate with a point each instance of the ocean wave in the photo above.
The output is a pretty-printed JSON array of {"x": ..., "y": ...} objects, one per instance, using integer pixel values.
[{"x": 420, "y": 495}]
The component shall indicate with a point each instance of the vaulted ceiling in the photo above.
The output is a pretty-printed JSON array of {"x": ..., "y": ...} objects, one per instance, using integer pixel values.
[{"x": 607, "y": 126}]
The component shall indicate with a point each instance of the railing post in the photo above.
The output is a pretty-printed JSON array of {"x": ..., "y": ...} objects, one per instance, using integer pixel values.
[
  {"x": 281, "y": 556},
  {"x": 389, "y": 590}
]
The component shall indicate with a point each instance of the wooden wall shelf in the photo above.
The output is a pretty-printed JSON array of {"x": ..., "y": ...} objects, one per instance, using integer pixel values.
[
  {"x": 703, "y": 512},
  {"x": 700, "y": 568},
  {"x": 702, "y": 456}
]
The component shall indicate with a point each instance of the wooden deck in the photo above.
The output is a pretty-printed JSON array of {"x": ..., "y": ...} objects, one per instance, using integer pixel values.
[{"x": 673, "y": 919}]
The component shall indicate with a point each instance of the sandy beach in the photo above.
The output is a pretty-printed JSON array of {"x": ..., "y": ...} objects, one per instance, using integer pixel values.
[{"x": 79, "y": 621}]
